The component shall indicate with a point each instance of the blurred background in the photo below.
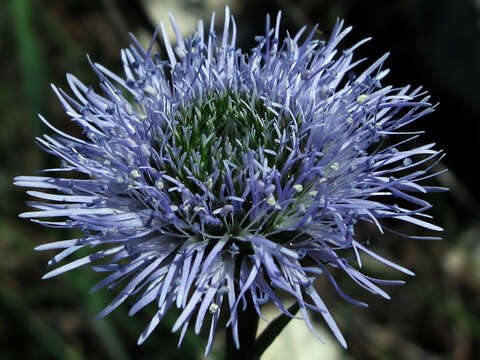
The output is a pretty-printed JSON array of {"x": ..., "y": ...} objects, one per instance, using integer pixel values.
[{"x": 433, "y": 43}]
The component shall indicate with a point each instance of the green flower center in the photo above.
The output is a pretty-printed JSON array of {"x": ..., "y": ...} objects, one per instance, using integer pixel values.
[{"x": 220, "y": 127}]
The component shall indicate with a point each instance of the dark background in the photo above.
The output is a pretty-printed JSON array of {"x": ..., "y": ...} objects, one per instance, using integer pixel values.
[{"x": 433, "y": 43}]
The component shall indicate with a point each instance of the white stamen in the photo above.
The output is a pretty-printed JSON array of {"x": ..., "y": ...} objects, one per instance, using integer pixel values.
[
  {"x": 131, "y": 142},
  {"x": 150, "y": 90},
  {"x": 159, "y": 184},
  {"x": 198, "y": 208},
  {"x": 135, "y": 174},
  {"x": 297, "y": 187},
  {"x": 209, "y": 183},
  {"x": 213, "y": 308},
  {"x": 131, "y": 128},
  {"x": 271, "y": 201},
  {"x": 361, "y": 99},
  {"x": 335, "y": 166}
]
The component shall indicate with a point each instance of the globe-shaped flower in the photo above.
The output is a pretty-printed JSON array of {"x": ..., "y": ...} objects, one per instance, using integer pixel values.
[{"x": 220, "y": 178}]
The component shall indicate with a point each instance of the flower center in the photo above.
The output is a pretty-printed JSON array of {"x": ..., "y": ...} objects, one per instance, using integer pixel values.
[{"x": 222, "y": 126}]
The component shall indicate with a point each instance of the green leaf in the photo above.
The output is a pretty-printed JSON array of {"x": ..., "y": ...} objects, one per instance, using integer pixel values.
[
  {"x": 51, "y": 342},
  {"x": 30, "y": 57}
]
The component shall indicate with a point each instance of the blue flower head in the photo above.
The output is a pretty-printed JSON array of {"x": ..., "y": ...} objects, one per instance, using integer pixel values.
[{"x": 218, "y": 178}]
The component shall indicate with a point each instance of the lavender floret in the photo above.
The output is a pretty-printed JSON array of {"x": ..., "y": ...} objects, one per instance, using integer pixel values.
[{"x": 219, "y": 177}]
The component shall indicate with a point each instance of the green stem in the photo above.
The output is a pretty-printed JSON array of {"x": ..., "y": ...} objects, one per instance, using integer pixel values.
[{"x": 247, "y": 330}]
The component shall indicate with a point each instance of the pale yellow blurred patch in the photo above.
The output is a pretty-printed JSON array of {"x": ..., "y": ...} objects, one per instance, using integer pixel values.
[
  {"x": 297, "y": 342},
  {"x": 186, "y": 16}
]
